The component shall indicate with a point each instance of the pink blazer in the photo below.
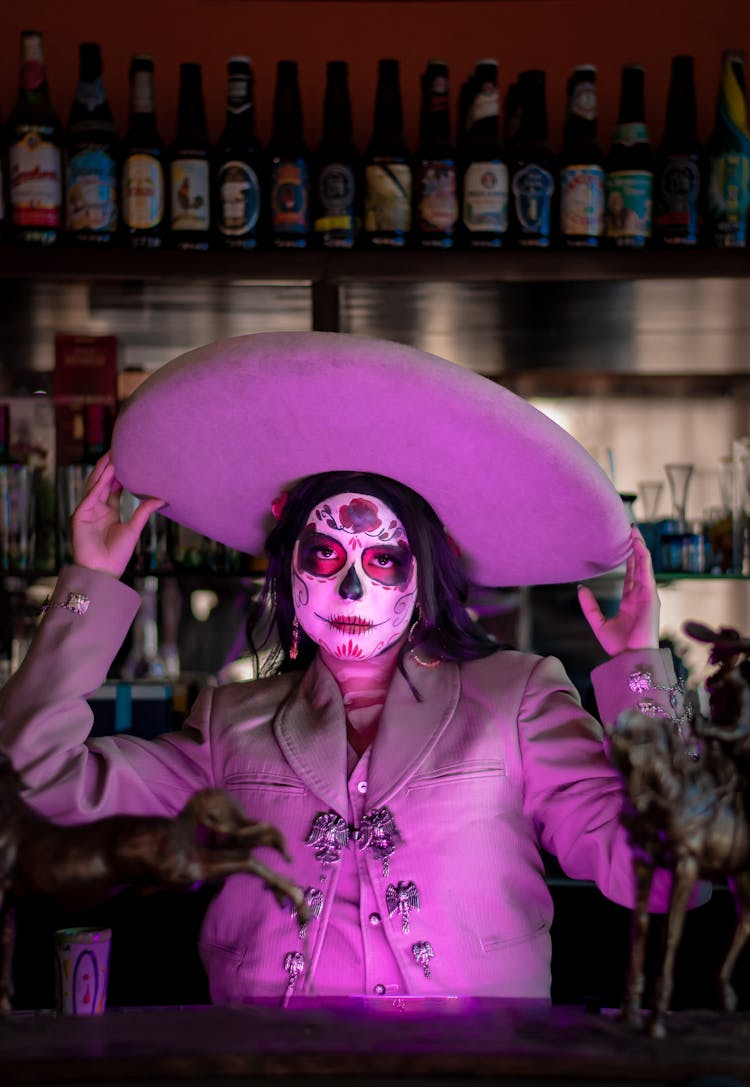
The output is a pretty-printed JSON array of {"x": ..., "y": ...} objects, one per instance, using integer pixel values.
[{"x": 459, "y": 792}]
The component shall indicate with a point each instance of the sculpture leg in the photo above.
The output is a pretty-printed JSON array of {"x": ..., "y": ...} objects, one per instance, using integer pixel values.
[
  {"x": 636, "y": 980},
  {"x": 7, "y": 946},
  {"x": 741, "y": 889},
  {"x": 685, "y": 876}
]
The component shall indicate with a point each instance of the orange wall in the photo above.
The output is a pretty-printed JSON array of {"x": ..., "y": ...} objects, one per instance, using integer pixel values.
[{"x": 551, "y": 34}]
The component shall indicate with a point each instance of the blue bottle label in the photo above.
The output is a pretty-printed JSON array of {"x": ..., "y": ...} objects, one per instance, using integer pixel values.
[
  {"x": 582, "y": 201},
  {"x": 532, "y": 188},
  {"x": 91, "y": 191},
  {"x": 629, "y": 204},
  {"x": 729, "y": 197},
  {"x": 239, "y": 198}
]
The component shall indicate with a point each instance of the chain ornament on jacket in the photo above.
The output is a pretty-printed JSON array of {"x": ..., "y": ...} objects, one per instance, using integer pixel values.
[
  {"x": 314, "y": 901},
  {"x": 640, "y": 682},
  {"x": 423, "y": 951}
]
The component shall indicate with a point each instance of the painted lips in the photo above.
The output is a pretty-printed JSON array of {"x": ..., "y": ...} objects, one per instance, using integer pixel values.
[{"x": 350, "y": 624}]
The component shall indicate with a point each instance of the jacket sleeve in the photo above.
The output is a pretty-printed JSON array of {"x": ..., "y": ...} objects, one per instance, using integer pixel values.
[
  {"x": 45, "y": 717},
  {"x": 572, "y": 791}
]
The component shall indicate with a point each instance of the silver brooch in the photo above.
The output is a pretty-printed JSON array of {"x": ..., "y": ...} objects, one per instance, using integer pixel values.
[
  {"x": 402, "y": 897},
  {"x": 423, "y": 952},
  {"x": 328, "y": 836},
  {"x": 314, "y": 901},
  {"x": 294, "y": 964},
  {"x": 378, "y": 832},
  {"x": 76, "y": 603}
]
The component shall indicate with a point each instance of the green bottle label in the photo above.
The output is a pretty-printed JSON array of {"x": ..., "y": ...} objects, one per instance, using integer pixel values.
[{"x": 629, "y": 204}]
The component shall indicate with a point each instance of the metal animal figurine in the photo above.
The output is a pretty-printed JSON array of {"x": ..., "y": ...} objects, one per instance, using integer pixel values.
[
  {"x": 687, "y": 809},
  {"x": 78, "y": 866}
]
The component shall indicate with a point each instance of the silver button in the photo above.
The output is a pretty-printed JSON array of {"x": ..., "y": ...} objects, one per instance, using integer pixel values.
[
  {"x": 379, "y": 990},
  {"x": 374, "y": 918},
  {"x": 361, "y": 786}
]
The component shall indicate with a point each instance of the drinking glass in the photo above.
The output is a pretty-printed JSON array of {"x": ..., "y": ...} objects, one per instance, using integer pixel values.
[
  {"x": 678, "y": 477},
  {"x": 649, "y": 494}
]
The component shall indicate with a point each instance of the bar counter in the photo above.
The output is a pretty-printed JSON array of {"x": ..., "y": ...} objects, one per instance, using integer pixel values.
[{"x": 369, "y": 1041}]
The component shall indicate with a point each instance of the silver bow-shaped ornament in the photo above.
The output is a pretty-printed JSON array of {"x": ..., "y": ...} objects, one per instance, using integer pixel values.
[{"x": 328, "y": 837}]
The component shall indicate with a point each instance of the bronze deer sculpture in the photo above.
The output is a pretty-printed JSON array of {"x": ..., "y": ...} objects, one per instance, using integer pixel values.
[
  {"x": 687, "y": 809},
  {"x": 80, "y": 865}
]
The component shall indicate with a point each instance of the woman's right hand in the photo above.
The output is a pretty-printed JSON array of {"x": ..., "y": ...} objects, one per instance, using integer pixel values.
[{"x": 101, "y": 539}]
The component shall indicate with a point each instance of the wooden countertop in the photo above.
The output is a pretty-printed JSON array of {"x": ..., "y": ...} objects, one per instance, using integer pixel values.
[{"x": 370, "y": 1040}]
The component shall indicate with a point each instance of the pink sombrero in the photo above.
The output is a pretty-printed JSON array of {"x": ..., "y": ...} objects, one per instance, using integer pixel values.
[{"x": 220, "y": 431}]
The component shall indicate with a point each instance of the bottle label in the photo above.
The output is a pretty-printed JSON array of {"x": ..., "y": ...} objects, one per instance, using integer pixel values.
[
  {"x": 32, "y": 74},
  {"x": 142, "y": 96},
  {"x": 289, "y": 197},
  {"x": 336, "y": 188},
  {"x": 679, "y": 191},
  {"x": 437, "y": 200},
  {"x": 533, "y": 187},
  {"x": 485, "y": 197},
  {"x": 631, "y": 133},
  {"x": 486, "y": 103},
  {"x": 239, "y": 198},
  {"x": 91, "y": 191},
  {"x": 629, "y": 204},
  {"x": 142, "y": 192},
  {"x": 238, "y": 99},
  {"x": 583, "y": 100},
  {"x": 189, "y": 189},
  {"x": 728, "y": 197},
  {"x": 388, "y": 197},
  {"x": 582, "y": 201},
  {"x": 35, "y": 182}
]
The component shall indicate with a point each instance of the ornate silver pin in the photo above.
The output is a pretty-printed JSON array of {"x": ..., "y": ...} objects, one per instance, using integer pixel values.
[
  {"x": 314, "y": 900},
  {"x": 423, "y": 952},
  {"x": 402, "y": 897},
  {"x": 378, "y": 831},
  {"x": 328, "y": 836},
  {"x": 294, "y": 964}
]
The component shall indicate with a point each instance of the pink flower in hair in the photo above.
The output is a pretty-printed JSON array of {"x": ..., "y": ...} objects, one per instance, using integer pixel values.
[{"x": 278, "y": 504}]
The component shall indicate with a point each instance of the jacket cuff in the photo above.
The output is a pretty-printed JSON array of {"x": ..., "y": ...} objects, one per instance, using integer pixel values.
[{"x": 641, "y": 679}]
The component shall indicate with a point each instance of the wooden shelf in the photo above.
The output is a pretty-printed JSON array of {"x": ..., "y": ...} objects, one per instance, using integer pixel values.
[{"x": 341, "y": 267}]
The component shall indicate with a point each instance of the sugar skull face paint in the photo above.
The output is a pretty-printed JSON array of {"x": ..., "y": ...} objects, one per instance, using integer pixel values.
[{"x": 354, "y": 577}]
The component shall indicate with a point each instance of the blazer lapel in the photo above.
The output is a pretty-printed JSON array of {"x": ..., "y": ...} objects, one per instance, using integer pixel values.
[
  {"x": 409, "y": 729},
  {"x": 311, "y": 731}
]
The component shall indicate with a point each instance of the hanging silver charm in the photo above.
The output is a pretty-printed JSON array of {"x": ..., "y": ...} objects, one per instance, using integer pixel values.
[
  {"x": 423, "y": 952},
  {"x": 314, "y": 902},
  {"x": 328, "y": 836},
  {"x": 294, "y": 964},
  {"x": 378, "y": 831},
  {"x": 402, "y": 897}
]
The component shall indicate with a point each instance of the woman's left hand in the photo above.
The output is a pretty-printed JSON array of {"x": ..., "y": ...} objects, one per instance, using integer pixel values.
[{"x": 636, "y": 625}]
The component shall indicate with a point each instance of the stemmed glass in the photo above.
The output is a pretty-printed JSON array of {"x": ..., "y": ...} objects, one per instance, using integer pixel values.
[
  {"x": 678, "y": 477},
  {"x": 649, "y": 493}
]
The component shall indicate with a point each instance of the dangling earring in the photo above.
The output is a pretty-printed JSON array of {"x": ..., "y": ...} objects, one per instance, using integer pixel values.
[
  {"x": 432, "y": 663},
  {"x": 294, "y": 647}
]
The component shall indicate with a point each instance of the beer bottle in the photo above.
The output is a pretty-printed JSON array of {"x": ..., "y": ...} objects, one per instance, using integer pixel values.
[
  {"x": 337, "y": 183},
  {"x": 435, "y": 188},
  {"x": 679, "y": 163},
  {"x": 484, "y": 173},
  {"x": 532, "y": 180},
  {"x": 581, "y": 165},
  {"x": 91, "y": 205},
  {"x": 388, "y": 172},
  {"x": 190, "y": 166},
  {"x": 237, "y": 187},
  {"x": 34, "y": 139},
  {"x": 143, "y": 188},
  {"x": 630, "y": 167},
  {"x": 289, "y": 164},
  {"x": 729, "y": 158}
]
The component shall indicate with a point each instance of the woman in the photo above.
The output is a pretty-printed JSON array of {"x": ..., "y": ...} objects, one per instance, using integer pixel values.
[{"x": 414, "y": 767}]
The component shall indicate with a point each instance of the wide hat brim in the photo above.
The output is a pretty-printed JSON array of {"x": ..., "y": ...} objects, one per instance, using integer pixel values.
[{"x": 220, "y": 431}]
